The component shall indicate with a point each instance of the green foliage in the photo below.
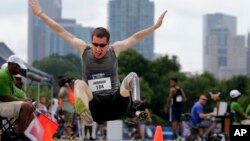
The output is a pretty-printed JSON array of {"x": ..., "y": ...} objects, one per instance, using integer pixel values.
[
  {"x": 46, "y": 92},
  {"x": 32, "y": 92},
  {"x": 131, "y": 61},
  {"x": 157, "y": 120},
  {"x": 57, "y": 65},
  {"x": 146, "y": 91}
]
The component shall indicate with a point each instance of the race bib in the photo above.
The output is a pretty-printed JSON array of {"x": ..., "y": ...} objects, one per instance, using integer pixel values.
[
  {"x": 179, "y": 98},
  {"x": 100, "y": 84}
]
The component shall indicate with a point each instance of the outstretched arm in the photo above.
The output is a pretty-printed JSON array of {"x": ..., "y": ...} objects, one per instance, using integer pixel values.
[
  {"x": 75, "y": 42},
  {"x": 138, "y": 36}
]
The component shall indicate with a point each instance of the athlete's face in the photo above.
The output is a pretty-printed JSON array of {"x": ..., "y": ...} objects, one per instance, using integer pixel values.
[
  {"x": 172, "y": 83},
  {"x": 99, "y": 46}
]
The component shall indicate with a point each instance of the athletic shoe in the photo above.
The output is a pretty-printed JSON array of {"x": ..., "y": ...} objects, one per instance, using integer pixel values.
[
  {"x": 83, "y": 111},
  {"x": 135, "y": 120}
]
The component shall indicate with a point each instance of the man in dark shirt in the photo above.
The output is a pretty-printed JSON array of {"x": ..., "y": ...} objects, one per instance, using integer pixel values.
[{"x": 174, "y": 106}]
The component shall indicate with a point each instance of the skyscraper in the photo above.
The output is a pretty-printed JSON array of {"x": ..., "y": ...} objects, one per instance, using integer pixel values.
[
  {"x": 43, "y": 42},
  {"x": 248, "y": 54},
  {"x": 125, "y": 17},
  {"x": 36, "y": 29},
  {"x": 224, "y": 52}
]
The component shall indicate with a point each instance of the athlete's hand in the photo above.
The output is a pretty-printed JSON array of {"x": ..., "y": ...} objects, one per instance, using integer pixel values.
[
  {"x": 160, "y": 19},
  {"x": 35, "y": 6}
]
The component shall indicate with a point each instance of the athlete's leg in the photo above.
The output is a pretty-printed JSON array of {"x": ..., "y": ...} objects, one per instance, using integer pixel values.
[
  {"x": 83, "y": 95},
  {"x": 131, "y": 84},
  {"x": 130, "y": 87}
]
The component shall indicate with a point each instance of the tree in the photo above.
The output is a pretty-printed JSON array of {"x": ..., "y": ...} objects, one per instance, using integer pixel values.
[
  {"x": 57, "y": 65},
  {"x": 131, "y": 61}
]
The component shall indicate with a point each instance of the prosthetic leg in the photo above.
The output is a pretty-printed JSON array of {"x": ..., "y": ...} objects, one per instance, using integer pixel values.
[
  {"x": 133, "y": 85},
  {"x": 135, "y": 92}
]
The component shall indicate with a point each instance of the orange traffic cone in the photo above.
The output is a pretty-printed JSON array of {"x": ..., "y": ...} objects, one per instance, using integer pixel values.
[{"x": 158, "y": 134}]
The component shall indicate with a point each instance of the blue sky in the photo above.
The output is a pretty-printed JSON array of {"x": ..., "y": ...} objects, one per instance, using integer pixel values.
[{"x": 180, "y": 34}]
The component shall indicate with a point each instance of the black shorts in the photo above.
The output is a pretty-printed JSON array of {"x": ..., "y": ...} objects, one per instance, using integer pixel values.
[
  {"x": 175, "y": 113},
  {"x": 108, "y": 107}
]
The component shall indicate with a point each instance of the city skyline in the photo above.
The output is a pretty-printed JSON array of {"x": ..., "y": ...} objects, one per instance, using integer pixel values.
[
  {"x": 224, "y": 52},
  {"x": 127, "y": 17},
  {"x": 180, "y": 34}
]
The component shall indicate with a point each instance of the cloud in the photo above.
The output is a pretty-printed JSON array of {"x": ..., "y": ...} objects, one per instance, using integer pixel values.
[
  {"x": 88, "y": 13},
  {"x": 14, "y": 34}
]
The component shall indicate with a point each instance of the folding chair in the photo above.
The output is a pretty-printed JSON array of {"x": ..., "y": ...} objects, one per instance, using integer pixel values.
[{"x": 8, "y": 129}]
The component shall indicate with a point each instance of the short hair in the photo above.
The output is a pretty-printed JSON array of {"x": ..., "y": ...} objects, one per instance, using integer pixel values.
[
  {"x": 62, "y": 80},
  {"x": 100, "y": 32},
  {"x": 174, "y": 79}
]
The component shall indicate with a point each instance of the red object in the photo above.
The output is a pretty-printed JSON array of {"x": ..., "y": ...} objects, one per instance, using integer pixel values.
[
  {"x": 49, "y": 126},
  {"x": 158, "y": 136}
]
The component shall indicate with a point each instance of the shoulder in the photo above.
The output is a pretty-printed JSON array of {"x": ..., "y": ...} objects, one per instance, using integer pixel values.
[
  {"x": 62, "y": 90},
  {"x": 3, "y": 72},
  {"x": 4, "y": 77},
  {"x": 198, "y": 105},
  {"x": 172, "y": 90},
  {"x": 235, "y": 105},
  {"x": 87, "y": 48},
  {"x": 178, "y": 88}
]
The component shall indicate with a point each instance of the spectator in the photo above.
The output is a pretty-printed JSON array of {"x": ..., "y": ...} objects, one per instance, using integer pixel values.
[
  {"x": 101, "y": 131},
  {"x": 41, "y": 105},
  {"x": 53, "y": 109},
  {"x": 19, "y": 82},
  {"x": 66, "y": 103},
  {"x": 19, "y": 93},
  {"x": 239, "y": 116},
  {"x": 173, "y": 106},
  {"x": 88, "y": 129},
  {"x": 200, "y": 119},
  {"x": 11, "y": 105}
]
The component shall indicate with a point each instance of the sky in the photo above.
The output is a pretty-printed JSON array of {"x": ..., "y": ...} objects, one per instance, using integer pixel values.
[{"x": 180, "y": 33}]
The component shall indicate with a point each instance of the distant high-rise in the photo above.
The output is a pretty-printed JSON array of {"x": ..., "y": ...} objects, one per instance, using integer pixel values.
[
  {"x": 35, "y": 48},
  {"x": 248, "y": 54},
  {"x": 125, "y": 17},
  {"x": 224, "y": 52},
  {"x": 42, "y": 42}
]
